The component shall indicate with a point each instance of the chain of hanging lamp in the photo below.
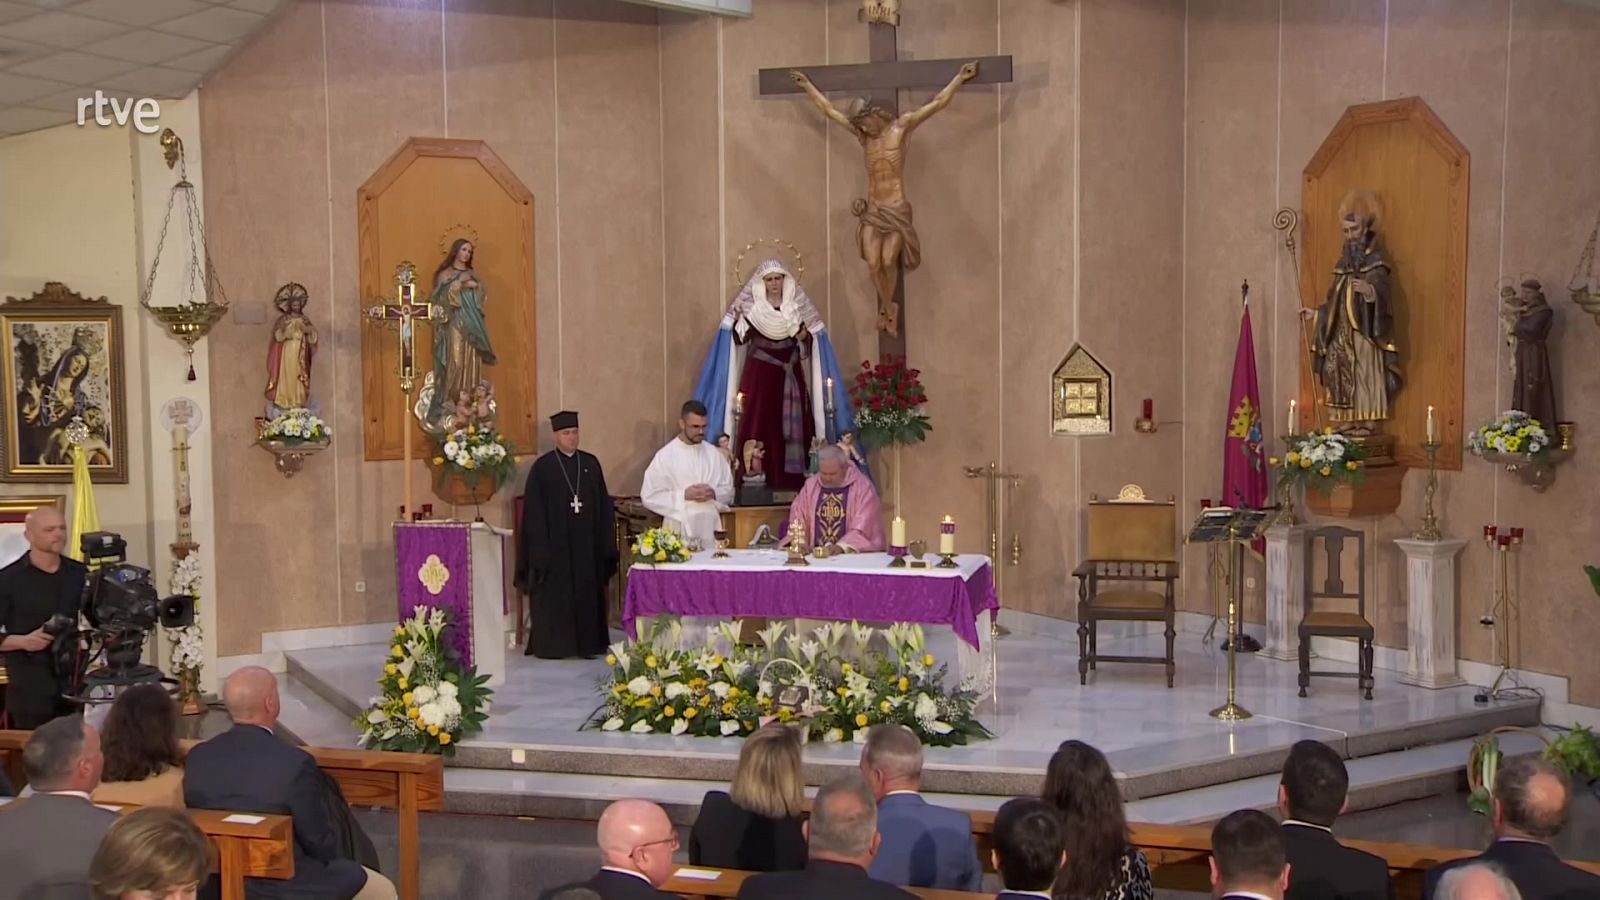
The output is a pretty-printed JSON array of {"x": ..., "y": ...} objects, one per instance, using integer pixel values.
[{"x": 193, "y": 316}]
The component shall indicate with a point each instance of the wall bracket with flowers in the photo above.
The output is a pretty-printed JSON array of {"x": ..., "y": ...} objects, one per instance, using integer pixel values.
[
  {"x": 291, "y": 436},
  {"x": 1522, "y": 444}
]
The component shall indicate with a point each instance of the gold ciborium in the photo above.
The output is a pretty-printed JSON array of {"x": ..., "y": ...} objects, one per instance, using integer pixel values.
[
  {"x": 797, "y": 546},
  {"x": 722, "y": 544}
]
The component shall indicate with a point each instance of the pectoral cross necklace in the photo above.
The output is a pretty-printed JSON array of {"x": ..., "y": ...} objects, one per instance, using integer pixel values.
[{"x": 576, "y": 504}]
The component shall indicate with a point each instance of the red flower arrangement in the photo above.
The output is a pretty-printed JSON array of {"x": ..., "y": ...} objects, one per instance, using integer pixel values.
[{"x": 888, "y": 399}]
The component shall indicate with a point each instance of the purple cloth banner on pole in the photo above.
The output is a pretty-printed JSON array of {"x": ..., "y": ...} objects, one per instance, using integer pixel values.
[{"x": 433, "y": 568}]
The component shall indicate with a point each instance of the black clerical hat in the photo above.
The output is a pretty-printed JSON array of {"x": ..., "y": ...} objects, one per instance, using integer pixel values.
[{"x": 563, "y": 419}]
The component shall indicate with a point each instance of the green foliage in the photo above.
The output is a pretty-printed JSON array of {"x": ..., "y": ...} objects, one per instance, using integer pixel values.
[
  {"x": 1594, "y": 577},
  {"x": 1577, "y": 753}
]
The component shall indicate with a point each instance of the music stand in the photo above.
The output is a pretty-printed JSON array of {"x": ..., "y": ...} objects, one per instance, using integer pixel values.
[{"x": 1236, "y": 527}]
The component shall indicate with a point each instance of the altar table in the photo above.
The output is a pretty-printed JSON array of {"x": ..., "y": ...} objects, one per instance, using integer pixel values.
[{"x": 854, "y": 586}]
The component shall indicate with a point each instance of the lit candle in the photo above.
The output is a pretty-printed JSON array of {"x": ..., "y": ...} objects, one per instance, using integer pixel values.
[
  {"x": 1430, "y": 425},
  {"x": 1149, "y": 408},
  {"x": 1294, "y": 416},
  {"x": 897, "y": 532},
  {"x": 830, "y": 388},
  {"x": 738, "y": 402},
  {"x": 947, "y": 537}
]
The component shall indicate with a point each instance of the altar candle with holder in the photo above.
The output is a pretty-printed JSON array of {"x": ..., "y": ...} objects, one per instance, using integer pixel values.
[
  {"x": 947, "y": 536},
  {"x": 738, "y": 403},
  {"x": 1430, "y": 426},
  {"x": 1294, "y": 416},
  {"x": 897, "y": 532}
]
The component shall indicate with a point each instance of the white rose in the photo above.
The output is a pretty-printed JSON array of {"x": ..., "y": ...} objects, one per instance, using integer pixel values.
[
  {"x": 423, "y": 694},
  {"x": 448, "y": 689},
  {"x": 926, "y": 710},
  {"x": 860, "y": 737},
  {"x": 720, "y": 689},
  {"x": 430, "y": 714},
  {"x": 450, "y": 705},
  {"x": 833, "y": 736},
  {"x": 729, "y": 726},
  {"x": 680, "y": 725},
  {"x": 640, "y": 727},
  {"x": 451, "y": 448},
  {"x": 676, "y": 689},
  {"x": 612, "y": 724},
  {"x": 639, "y": 686}
]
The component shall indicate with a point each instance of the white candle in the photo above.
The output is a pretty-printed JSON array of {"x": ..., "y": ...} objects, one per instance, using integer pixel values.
[
  {"x": 1430, "y": 425},
  {"x": 947, "y": 536},
  {"x": 830, "y": 388},
  {"x": 1294, "y": 417},
  {"x": 738, "y": 402},
  {"x": 897, "y": 532}
]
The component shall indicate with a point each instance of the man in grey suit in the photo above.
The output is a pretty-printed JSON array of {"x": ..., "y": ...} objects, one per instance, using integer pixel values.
[
  {"x": 923, "y": 845},
  {"x": 48, "y": 839}
]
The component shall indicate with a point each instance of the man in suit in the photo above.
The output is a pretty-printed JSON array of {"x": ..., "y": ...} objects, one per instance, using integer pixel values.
[
  {"x": 1029, "y": 848},
  {"x": 249, "y": 769},
  {"x": 1476, "y": 881},
  {"x": 923, "y": 845},
  {"x": 637, "y": 841},
  {"x": 1247, "y": 857},
  {"x": 842, "y": 838},
  {"x": 1310, "y": 795},
  {"x": 1529, "y": 810},
  {"x": 48, "y": 839}
]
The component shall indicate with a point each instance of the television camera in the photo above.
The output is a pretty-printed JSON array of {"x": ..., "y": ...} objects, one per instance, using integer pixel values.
[{"x": 121, "y": 606}]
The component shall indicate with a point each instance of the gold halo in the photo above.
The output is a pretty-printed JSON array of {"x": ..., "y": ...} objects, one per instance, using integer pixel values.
[
  {"x": 458, "y": 230},
  {"x": 738, "y": 262}
]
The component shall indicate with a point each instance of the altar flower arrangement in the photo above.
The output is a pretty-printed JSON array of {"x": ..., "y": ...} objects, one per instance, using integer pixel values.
[
  {"x": 659, "y": 545},
  {"x": 1322, "y": 459},
  {"x": 888, "y": 399},
  {"x": 430, "y": 701},
  {"x": 475, "y": 453},
  {"x": 187, "y": 645},
  {"x": 1513, "y": 432},
  {"x": 296, "y": 426},
  {"x": 720, "y": 688}
]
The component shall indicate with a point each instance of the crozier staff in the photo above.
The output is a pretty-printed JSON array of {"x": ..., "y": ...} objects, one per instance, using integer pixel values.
[{"x": 41, "y": 584}]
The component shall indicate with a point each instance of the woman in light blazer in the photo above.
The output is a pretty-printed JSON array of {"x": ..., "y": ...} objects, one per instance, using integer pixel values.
[{"x": 140, "y": 743}]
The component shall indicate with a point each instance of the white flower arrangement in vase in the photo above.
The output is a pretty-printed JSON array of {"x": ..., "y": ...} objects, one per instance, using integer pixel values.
[
  {"x": 187, "y": 644},
  {"x": 297, "y": 426},
  {"x": 1513, "y": 432}
]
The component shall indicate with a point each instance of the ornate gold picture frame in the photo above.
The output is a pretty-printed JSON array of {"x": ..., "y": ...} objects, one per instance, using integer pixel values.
[{"x": 63, "y": 360}]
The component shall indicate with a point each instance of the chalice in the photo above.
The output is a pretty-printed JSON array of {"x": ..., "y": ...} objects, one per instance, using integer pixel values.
[{"x": 722, "y": 545}]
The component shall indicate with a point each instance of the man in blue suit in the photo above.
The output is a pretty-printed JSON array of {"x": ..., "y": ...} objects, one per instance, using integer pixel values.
[{"x": 923, "y": 845}]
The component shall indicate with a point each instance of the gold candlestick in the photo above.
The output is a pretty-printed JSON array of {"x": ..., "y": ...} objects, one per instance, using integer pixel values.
[{"x": 1430, "y": 522}]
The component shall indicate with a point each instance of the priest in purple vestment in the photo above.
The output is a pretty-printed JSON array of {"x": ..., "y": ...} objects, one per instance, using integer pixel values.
[{"x": 838, "y": 507}]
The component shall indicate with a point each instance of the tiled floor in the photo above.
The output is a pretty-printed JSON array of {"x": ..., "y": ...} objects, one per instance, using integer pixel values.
[{"x": 1126, "y": 710}]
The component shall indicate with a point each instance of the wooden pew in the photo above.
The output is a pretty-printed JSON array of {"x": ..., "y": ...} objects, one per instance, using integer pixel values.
[
  {"x": 728, "y": 882},
  {"x": 410, "y": 783}
]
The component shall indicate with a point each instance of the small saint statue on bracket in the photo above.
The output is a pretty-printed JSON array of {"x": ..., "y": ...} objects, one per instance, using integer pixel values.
[
  {"x": 294, "y": 343},
  {"x": 1528, "y": 318}
]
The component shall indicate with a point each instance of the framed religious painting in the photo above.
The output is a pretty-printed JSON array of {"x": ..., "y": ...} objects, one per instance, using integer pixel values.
[{"x": 64, "y": 384}]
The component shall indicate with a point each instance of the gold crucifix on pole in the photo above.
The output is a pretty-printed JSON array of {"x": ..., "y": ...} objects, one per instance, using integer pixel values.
[{"x": 404, "y": 313}]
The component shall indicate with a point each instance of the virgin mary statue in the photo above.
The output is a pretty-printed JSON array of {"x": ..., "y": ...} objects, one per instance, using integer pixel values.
[
  {"x": 768, "y": 369},
  {"x": 461, "y": 342}
]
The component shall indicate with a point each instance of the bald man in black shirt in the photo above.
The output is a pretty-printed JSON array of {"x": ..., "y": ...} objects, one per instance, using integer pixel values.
[{"x": 41, "y": 584}]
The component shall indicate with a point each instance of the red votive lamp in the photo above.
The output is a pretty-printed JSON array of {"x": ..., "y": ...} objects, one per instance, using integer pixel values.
[
  {"x": 1489, "y": 532},
  {"x": 1205, "y": 503},
  {"x": 1149, "y": 408},
  {"x": 1505, "y": 540},
  {"x": 1516, "y": 535}
]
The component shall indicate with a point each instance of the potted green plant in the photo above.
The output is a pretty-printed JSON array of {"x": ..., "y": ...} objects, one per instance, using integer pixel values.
[{"x": 1578, "y": 754}]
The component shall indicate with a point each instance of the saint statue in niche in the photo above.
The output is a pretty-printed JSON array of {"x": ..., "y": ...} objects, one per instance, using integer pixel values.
[
  {"x": 294, "y": 342},
  {"x": 1528, "y": 319},
  {"x": 461, "y": 341},
  {"x": 1353, "y": 351}
]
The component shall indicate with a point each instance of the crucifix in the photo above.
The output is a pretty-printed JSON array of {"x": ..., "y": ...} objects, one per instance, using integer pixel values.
[
  {"x": 404, "y": 312},
  {"x": 886, "y": 236}
]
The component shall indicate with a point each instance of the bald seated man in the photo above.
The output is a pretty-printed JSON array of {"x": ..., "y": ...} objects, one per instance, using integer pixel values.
[
  {"x": 249, "y": 769},
  {"x": 41, "y": 584},
  {"x": 1475, "y": 881},
  {"x": 637, "y": 841},
  {"x": 1530, "y": 808}
]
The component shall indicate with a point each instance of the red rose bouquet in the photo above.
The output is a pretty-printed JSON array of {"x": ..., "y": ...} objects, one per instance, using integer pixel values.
[{"x": 888, "y": 399}]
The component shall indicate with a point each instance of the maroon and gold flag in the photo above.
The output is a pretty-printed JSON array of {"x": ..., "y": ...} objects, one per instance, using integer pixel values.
[{"x": 1244, "y": 463}]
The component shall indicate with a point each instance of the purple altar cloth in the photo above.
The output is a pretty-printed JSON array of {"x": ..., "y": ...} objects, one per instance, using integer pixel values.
[
  {"x": 417, "y": 575},
  {"x": 788, "y": 594}
]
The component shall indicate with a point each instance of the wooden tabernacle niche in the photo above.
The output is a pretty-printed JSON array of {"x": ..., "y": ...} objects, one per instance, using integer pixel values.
[
  {"x": 430, "y": 192},
  {"x": 1403, "y": 153}
]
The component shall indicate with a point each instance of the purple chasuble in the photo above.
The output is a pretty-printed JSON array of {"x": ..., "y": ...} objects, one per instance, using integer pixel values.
[{"x": 828, "y": 525}]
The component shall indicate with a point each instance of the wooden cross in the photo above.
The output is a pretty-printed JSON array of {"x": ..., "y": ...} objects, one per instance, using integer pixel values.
[
  {"x": 404, "y": 312},
  {"x": 880, "y": 82}
]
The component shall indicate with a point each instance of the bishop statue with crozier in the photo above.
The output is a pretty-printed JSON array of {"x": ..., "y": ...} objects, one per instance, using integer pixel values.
[
  {"x": 1356, "y": 360},
  {"x": 568, "y": 551}
]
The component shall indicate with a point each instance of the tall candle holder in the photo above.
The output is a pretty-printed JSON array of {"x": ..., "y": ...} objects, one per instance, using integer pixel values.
[
  {"x": 1286, "y": 514},
  {"x": 1430, "y": 521},
  {"x": 1504, "y": 618}
]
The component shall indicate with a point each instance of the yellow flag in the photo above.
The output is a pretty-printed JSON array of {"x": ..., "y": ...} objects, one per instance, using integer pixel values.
[{"x": 85, "y": 517}]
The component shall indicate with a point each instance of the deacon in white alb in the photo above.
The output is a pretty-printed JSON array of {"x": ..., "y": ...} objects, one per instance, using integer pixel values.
[{"x": 689, "y": 483}]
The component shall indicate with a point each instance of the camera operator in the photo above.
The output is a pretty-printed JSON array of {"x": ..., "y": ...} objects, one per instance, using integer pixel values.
[{"x": 40, "y": 585}]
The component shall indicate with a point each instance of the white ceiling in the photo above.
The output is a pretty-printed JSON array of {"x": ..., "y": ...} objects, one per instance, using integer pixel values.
[{"x": 54, "y": 51}]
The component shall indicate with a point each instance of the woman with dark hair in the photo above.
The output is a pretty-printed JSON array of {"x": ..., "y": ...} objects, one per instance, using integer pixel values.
[
  {"x": 140, "y": 742},
  {"x": 1101, "y": 862}
]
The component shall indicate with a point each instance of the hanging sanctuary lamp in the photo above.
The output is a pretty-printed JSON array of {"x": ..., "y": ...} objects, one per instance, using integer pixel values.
[{"x": 195, "y": 312}]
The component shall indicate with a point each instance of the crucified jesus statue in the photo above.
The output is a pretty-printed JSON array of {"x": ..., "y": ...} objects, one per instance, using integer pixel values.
[{"x": 886, "y": 237}]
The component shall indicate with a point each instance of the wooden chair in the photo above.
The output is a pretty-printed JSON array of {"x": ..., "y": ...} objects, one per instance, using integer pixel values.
[
  {"x": 1331, "y": 623},
  {"x": 1128, "y": 575}
]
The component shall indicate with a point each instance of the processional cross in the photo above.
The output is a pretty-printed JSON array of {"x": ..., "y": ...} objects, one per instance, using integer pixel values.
[
  {"x": 886, "y": 236},
  {"x": 404, "y": 313}
]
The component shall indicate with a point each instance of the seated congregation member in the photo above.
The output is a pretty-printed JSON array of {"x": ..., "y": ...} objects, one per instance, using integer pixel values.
[
  {"x": 48, "y": 839},
  {"x": 1102, "y": 863},
  {"x": 1247, "y": 857},
  {"x": 140, "y": 741},
  {"x": 756, "y": 824},
  {"x": 838, "y": 507},
  {"x": 1476, "y": 881},
  {"x": 1531, "y": 802},
  {"x": 923, "y": 845},
  {"x": 151, "y": 854},
  {"x": 249, "y": 769},
  {"x": 1029, "y": 849},
  {"x": 842, "y": 838},
  {"x": 1311, "y": 794},
  {"x": 637, "y": 841}
]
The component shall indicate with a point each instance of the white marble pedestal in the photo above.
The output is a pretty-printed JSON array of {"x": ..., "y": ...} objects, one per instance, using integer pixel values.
[
  {"x": 1431, "y": 612},
  {"x": 1286, "y": 590}
]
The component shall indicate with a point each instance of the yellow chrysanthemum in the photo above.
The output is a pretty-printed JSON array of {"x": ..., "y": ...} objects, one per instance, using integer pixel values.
[
  {"x": 611, "y": 660},
  {"x": 655, "y": 690},
  {"x": 927, "y": 660},
  {"x": 438, "y": 460},
  {"x": 690, "y": 713},
  {"x": 406, "y": 698},
  {"x": 705, "y": 701},
  {"x": 644, "y": 702},
  {"x": 649, "y": 662},
  {"x": 661, "y": 556},
  {"x": 861, "y": 720},
  {"x": 884, "y": 706},
  {"x": 717, "y": 660},
  {"x": 845, "y": 668},
  {"x": 697, "y": 684},
  {"x": 1305, "y": 463},
  {"x": 399, "y": 631},
  {"x": 398, "y": 651},
  {"x": 1327, "y": 429},
  {"x": 402, "y": 683},
  {"x": 1350, "y": 466},
  {"x": 1326, "y": 471},
  {"x": 433, "y": 730},
  {"x": 842, "y": 691},
  {"x": 786, "y": 715},
  {"x": 669, "y": 712},
  {"x": 1272, "y": 461},
  {"x": 764, "y": 703},
  {"x": 390, "y": 669},
  {"x": 733, "y": 692},
  {"x": 412, "y": 713},
  {"x": 904, "y": 685},
  {"x": 1293, "y": 457},
  {"x": 444, "y": 738},
  {"x": 727, "y": 709}
]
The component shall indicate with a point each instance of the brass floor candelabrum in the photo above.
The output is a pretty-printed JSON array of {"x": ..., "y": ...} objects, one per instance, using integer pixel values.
[{"x": 1430, "y": 522}]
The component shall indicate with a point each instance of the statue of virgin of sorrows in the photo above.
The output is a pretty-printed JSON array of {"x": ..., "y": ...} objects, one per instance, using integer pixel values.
[{"x": 461, "y": 342}]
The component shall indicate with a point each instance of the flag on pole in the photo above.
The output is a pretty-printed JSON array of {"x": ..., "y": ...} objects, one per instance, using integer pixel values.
[
  {"x": 85, "y": 517},
  {"x": 1244, "y": 463}
]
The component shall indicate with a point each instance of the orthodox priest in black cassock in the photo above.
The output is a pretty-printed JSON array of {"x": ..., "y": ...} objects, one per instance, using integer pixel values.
[{"x": 568, "y": 551}]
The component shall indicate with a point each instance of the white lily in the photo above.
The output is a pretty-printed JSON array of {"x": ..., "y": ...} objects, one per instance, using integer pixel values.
[
  {"x": 680, "y": 726},
  {"x": 860, "y": 737},
  {"x": 770, "y": 634},
  {"x": 728, "y": 727},
  {"x": 862, "y": 635},
  {"x": 640, "y": 727},
  {"x": 940, "y": 728},
  {"x": 736, "y": 668},
  {"x": 833, "y": 736},
  {"x": 810, "y": 649}
]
